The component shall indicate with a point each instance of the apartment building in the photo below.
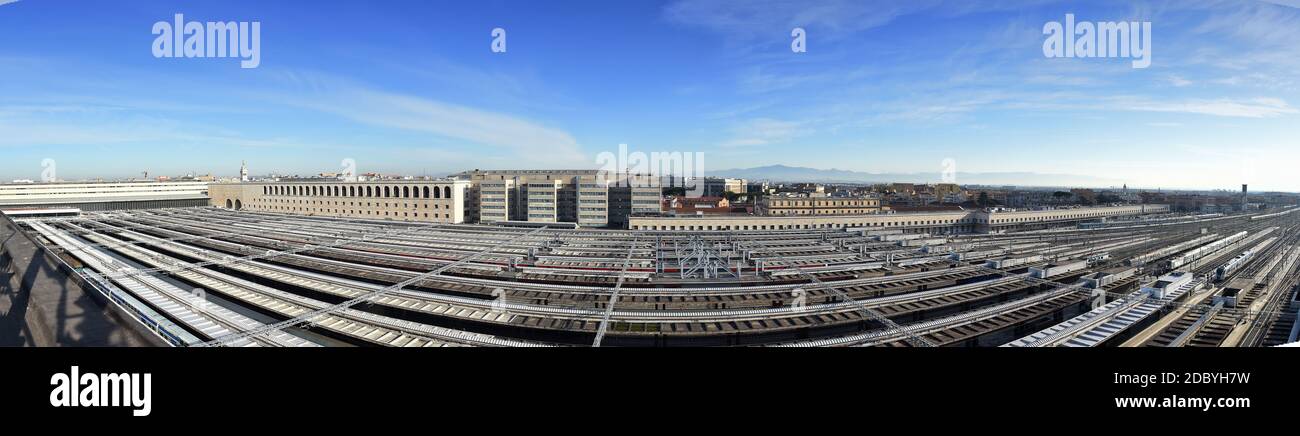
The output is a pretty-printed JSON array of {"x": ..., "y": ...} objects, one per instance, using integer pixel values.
[{"x": 589, "y": 198}]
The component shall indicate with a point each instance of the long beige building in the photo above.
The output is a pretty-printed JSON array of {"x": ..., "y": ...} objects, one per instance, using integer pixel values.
[
  {"x": 995, "y": 222},
  {"x": 544, "y": 196},
  {"x": 790, "y": 206},
  {"x": 439, "y": 201},
  {"x": 971, "y": 221}
]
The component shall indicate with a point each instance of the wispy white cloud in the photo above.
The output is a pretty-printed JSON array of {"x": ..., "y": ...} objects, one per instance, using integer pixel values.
[
  {"x": 1291, "y": 3},
  {"x": 91, "y": 123},
  {"x": 744, "y": 20},
  {"x": 34, "y": 132},
  {"x": 1256, "y": 23},
  {"x": 958, "y": 103},
  {"x": 831, "y": 19},
  {"x": 763, "y": 131},
  {"x": 524, "y": 139},
  {"x": 1253, "y": 108}
]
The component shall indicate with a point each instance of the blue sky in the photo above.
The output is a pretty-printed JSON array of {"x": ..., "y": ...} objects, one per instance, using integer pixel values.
[{"x": 413, "y": 87}]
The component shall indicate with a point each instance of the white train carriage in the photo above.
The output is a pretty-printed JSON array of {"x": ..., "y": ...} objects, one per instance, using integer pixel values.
[
  {"x": 1200, "y": 252},
  {"x": 1143, "y": 259},
  {"x": 1228, "y": 267},
  {"x": 1099, "y": 258}
]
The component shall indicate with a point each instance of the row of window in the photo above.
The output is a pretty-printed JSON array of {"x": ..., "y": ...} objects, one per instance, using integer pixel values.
[
  {"x": 355, "y": 212},
  {"x": 348, "y": 203},
  {"x": 359, "y": 191},
  {"x": 822, "y": 203},
  {"x": 762, "y": 227},
  {"x": 822, "y": 211},
  {"x": 1059, "y": 217}
]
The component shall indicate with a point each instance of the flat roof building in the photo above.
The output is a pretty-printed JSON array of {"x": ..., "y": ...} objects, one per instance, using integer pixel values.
[
  {"x": 439, "y": 201},
  {"x": 790, "y": 206},
  {"x": 589, "y": 198},
  {"x": 924, "y": 222},
  {"x": 97, "y": 196}
]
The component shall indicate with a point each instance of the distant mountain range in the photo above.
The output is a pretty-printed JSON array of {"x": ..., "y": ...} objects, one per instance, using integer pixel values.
[{"x": 783, "y": 173}]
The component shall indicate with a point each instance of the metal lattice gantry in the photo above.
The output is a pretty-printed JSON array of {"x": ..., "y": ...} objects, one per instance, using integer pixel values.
[
  {"x": 702, "y": 261},
  {"x": 613, "y": 296},
  {"x": 309, "y": 317}
]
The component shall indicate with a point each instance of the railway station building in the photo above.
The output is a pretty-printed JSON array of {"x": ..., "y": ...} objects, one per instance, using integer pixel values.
[
  {"x": 437, "y": 201},
  {"x": 954, "y": 222}
]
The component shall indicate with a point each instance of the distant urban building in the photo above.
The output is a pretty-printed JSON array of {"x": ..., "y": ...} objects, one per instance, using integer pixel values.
[
  {"x": 702, "y": 206},
  {"x": 1086, "y": 196},
  {"x": 716, "y": 186},
  {"x": 786, "y": 206},
  {"x": 589, "y": 198},
  {"x": 944, "y": 190}
]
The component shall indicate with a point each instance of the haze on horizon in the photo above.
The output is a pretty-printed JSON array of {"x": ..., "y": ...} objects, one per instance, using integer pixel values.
[{"x": 885, "y": 87}]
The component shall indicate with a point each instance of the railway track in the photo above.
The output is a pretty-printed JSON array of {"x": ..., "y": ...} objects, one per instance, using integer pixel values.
[{"x": 805, "y": 287}]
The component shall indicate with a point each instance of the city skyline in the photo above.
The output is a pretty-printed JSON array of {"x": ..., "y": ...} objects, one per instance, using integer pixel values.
[{"x": 883, "y": 87}]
